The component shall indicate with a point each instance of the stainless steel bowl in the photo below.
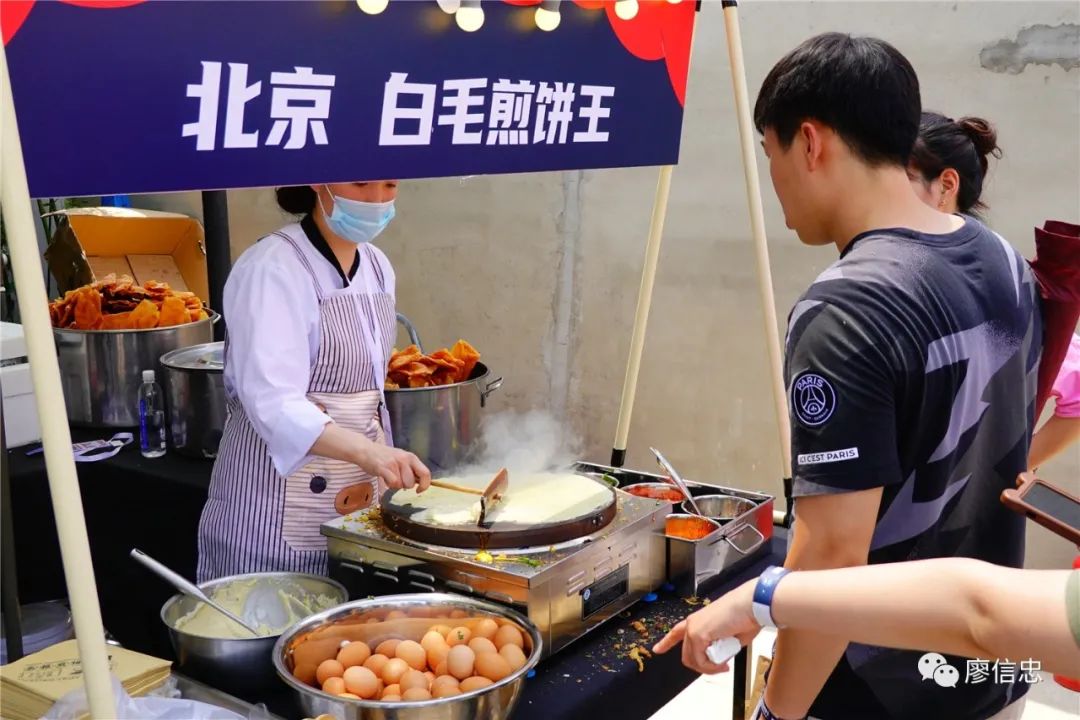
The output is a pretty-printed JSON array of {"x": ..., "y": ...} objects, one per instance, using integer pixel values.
[
  {"x": 234, "y": 664},
  {"x": 493, "y": 702},
  {"x": 722, "y": 508}
]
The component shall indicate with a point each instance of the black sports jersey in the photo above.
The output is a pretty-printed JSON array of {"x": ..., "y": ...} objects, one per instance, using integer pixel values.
[{"x": 911, "y": 366}]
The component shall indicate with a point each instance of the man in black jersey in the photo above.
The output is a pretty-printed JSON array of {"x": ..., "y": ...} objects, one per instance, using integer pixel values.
[{"x": 910, "y": 368}]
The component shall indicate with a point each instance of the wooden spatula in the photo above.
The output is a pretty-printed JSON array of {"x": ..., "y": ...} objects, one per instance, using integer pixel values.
[{"x": 493, "y": 493}]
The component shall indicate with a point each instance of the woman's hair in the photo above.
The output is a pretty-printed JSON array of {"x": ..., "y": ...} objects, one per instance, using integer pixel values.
[
  {"x": 963, "y": 145},
  {"x": 296, "y": 199}
]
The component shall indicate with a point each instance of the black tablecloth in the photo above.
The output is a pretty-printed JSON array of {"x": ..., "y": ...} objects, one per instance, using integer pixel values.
[{"x": 155, "y": 504}]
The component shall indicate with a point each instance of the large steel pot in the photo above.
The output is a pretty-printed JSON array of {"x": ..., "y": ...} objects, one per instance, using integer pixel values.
[
  {"x": 493, "y": 702},
  {"x": 101, "y": 370},
  {"x": 441, "y": 425},
  {"x": 194, "y": 385}
]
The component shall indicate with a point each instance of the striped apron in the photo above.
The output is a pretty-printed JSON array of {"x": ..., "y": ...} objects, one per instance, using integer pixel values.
[{"x": 255, "y": 520}]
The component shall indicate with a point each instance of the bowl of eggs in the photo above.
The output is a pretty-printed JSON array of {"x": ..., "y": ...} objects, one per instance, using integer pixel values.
[{"x": 409, "y": 657}]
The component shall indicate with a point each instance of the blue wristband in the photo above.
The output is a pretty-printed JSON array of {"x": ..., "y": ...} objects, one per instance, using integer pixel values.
[
  {"x": 763, "y": 595},
  {"x": 764, "y": 713}
]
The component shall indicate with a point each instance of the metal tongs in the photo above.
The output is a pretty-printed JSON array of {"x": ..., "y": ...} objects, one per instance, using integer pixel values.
[{"x": 677, "y": 480}]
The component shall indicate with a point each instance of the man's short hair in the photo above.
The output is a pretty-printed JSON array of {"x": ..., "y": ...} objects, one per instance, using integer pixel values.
[{"x": 861, "y": 87}]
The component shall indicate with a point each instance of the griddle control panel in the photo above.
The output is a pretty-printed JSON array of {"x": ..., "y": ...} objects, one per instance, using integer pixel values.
[{"x": 605, "y": 591}]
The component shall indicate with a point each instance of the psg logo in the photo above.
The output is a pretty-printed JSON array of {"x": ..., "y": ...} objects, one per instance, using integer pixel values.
[{"x": 813, "y": 399}]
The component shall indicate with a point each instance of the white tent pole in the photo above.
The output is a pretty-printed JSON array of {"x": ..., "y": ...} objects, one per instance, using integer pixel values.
[
  {"x": 55, "y": 435},
  {"x": 641, "y": 317},
  {"x": 757, "y": 228}
]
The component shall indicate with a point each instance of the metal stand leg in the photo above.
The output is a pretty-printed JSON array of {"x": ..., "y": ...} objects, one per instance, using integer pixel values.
[
  {"x": 218, "y": 253},
  {"x": 9, "y": 586}
]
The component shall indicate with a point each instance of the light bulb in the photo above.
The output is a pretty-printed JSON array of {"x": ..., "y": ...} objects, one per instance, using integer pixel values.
[
  {"x": 469, "y": 17},
  {"x": 674, "y": 2},
  {"x": 626, "y": 9},
  {"x": 372, "y": 7},
  {"x": 547, "y": 20},
  {"x": 449, "y": 6}
]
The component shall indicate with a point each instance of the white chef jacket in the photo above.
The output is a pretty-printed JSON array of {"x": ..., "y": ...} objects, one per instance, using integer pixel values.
[{"x": 272, "y": 312}]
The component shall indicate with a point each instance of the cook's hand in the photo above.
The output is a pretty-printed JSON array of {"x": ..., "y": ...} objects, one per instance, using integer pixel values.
[
  {"x": 397, "y": 468},
  {"x": 729, "y": 616}
]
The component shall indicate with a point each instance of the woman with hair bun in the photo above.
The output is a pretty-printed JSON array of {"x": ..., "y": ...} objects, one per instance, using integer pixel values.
[
  {"x": 949, "y": 162},
  {"x": 312, "y": 320}
]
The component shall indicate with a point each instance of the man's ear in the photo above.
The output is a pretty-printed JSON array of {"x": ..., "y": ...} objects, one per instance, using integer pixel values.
[{"x": 813, "y": 136}]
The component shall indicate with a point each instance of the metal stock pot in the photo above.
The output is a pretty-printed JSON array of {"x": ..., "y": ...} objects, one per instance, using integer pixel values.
[
  {"x": 101, "y": 370},
  {"x": 194, "y": 386},
  {"x": 441, "y": 425}
]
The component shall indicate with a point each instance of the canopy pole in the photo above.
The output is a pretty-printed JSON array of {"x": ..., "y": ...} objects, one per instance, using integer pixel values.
[
  {"x": 641, "y": 317},
  {"x": 757, "y": 228},
  {"x": 215, "y": 205},
  {"x": 55, "y": 434}
]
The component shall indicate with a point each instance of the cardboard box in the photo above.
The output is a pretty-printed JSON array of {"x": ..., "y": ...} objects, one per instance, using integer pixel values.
[
  {"x": 90, "y": 243},
  {"x": 19, "y": 409}
]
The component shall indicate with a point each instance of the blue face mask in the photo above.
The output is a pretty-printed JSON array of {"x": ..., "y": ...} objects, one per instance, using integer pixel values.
[{"x": 357, "y": 221}]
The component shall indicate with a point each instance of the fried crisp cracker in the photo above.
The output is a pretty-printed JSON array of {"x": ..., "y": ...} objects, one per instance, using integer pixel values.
[
  {"x": 117, "y": 321},
  {"x": 145, "y": 315},
  {"x": 173, "y": 312},
  {"x": 88, "y": 309},
  {"x": 468, "y": 355}
]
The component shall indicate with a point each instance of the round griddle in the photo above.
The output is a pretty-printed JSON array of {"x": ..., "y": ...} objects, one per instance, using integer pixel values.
[{"x": 494, "y": 534}]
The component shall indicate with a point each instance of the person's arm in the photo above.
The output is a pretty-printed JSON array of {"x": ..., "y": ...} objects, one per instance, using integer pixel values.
[
  {"x": 268, "y": 364},
  {"x": 956, "y": 606},
  {"x": 1056, "y": 434}
]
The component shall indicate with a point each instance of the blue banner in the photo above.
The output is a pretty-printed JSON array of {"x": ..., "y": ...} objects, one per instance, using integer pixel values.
[{"x": 132, "y": 97}]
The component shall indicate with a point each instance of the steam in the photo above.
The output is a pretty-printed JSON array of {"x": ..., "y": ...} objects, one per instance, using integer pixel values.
[{"x": 524, "y": 443}]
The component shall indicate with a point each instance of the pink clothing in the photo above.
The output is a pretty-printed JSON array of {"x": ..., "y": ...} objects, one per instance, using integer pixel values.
[{"x": 1066, "y": 390}]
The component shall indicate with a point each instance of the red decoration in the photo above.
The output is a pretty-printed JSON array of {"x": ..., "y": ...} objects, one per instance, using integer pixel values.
[{"x": 13, "y": 12}]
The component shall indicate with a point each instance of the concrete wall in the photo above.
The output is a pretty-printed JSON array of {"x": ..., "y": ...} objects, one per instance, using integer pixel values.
[{"x": 541, "y": 272}]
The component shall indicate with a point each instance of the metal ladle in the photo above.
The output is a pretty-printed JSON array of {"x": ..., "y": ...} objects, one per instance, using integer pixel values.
[
  {"x": 185, "y": 586},
  {"x": 677, "y": 479}
]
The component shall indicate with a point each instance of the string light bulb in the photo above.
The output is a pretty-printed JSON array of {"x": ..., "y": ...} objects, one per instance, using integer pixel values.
[
  {"x": 470, "y": 16},
  {"x": 372, "y": 7},
  {"x": 449, "y": 6},
  {"x": 548, "y": 15},
  {"x": 626, "y": 9},
  {"x": 674, "y": 2}
]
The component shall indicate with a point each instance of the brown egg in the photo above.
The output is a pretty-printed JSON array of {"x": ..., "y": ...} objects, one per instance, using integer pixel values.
[
  {"x": 432, "y": 639},
  {"x": 393, "y": 670},
  {"x": 411, "y": 652},
  {"x": 361, "y": 681},
  {"x": 514, "y": 655},
  {"x": 348, "y": 696},
  {"x": 329, "y": 669},
  {"x": 486, "y": 628},
  {"x": 459, "y": 614},
  {"x": 436, "y": 655},
  {"x": 414, "y": 679},
  {"x": 459, "y": 636},
  {"x": 355, "y": 653},
  {"x": 305, "y": 673},
  {"x": 493, "y": 666},
  {"x": 376, "y": 663},
  {"x": 395, "y": 614},
  {"x": 334, "y": 686},
  {"x": 388, "y": 648},
  {"x": 444, "y": 681},
  {"x": 440, "y": 669},
  {"x": 443, "y": 630},
  {"x": 474, "y": 683},
  {"x": 390, "y": 698},
  {"x": 415, "y": 695},
  {"x": 371, "y": 621},
  {"x": 482, "y": 645},
  {"x": 460, "y": 661},
  {"x": 394, "y": 689},
  {"x": 509, "y": 634},
  {"x": 430, "y": 677},
  {"x": 445, "y": 691}
]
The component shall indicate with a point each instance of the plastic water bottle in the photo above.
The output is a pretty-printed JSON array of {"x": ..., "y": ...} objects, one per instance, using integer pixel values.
[{"x": 151, "y": 417}]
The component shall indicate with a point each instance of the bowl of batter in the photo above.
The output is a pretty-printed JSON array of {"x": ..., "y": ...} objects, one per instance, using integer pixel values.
[{"x": 213, "y": 648}]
